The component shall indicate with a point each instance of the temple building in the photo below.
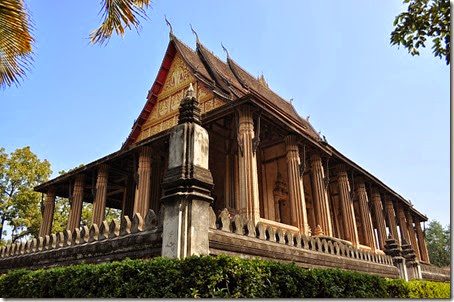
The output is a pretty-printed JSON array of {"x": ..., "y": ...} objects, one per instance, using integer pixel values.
[{"x": 270, "y": 182}]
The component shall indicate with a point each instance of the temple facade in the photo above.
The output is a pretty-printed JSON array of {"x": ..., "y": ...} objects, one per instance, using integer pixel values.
[{"x": 263, "y": 172}]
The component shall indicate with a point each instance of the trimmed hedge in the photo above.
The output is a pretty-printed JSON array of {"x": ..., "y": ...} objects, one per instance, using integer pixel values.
[{"x": 206, "y": 276}]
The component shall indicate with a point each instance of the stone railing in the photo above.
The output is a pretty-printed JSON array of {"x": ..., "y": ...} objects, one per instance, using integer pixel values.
[
  {"x": 115, "y": 240},
  {"x": 238, "y": 235},
  {"x": 435, "y": 273}
]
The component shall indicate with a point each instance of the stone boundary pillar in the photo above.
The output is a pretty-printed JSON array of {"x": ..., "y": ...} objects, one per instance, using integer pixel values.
[
  {"x": 393, "y": 249},
  {"x": 187, "y": 185},
  {"x": 413, "y": 269},
  {"x": 48, "y": 214}
]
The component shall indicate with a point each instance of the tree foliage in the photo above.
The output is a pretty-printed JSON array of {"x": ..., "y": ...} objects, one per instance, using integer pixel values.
[
  {"x": 16, "y": 39},
  {"x": 424, "y": 19},
  {"x": 15, "y": 42},
  {"x": 20, "y": 172},
  {"x": 438, "y": 243}
]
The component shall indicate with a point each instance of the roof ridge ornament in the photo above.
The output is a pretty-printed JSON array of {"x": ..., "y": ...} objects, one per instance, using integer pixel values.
[
  {"x": 226, "y": 51},
  {"x": 169, "y": 25},
  {"x": 197, "y": 41}
]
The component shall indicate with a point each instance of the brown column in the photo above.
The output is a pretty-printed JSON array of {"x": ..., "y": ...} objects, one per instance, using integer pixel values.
[
  {"x": 76, "y": 204},
  {"x": 379, "y": 218},
  {"x": 295, "y": 186},
  {"x": 421, "y": 241},
  {"x": 48, "y": 214},
  {"x": 321, "y": 205},
  {"x": 366, "y": 221},
  {"x": 412, "y": 234},
  {"x": 99, "y": 204},
  {"x": 142, "y": 200},
  {"x": 248, "y": 179},
  {"x": 402, "y": 224},
  {"x": 391, "y": 216},
  {"x": 348, "y": 213}
]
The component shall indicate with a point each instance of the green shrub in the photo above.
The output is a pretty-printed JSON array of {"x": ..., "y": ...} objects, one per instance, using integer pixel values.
[{"x": 206, "y": 277}]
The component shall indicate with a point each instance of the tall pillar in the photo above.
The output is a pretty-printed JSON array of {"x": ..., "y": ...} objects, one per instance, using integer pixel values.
[
  {"x": 142, "y": 200},
  {"x": 391, "y": 215},
  {"x": 248, "y": 179},
  {"x": 48, "y": 214},
  {"x": 348, "y": 212},
  {"x": 321, "y": 204},
  {"x": 402, "y": 224},
  {"x": 295, "y": 186},
  {"x": 412, "y": 234},
  {"x": 366, "y": 221},
  {"x": 76, "y": 204},
  {"x": 421, "y": 241},
  {"x": 99, "y": 204},
  {"x": 187, "y": 185},
  {"x": 379, "y": 218}
]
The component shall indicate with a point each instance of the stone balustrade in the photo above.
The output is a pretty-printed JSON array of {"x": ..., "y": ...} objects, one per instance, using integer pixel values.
[
  {"x": 239, "y": 225},
  {"x": 117, "y": 239},
  {"x": 434, "y": 273}
]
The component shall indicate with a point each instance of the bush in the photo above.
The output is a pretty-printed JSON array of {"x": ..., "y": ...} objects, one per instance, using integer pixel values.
[{"x": 206, "y": 277}]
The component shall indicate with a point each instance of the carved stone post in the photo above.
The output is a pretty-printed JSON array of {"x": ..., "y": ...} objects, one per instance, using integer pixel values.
[
  {"x": 321, "y": 204},
  {"x": 348, "y": 212},
  {"x": 421, "y": 241},
  {"x": 248, "y": 178},
  {"x": 402, "y": 224},
  {"x": 48, "y": 214},
  {"x": 187, "y": 185},
  {"x": 413, "y": 269},
  {"x": 366, "y": 221},
  {"x": 379, "y": 218},
  {"x": 142, "y": 200},
  {"x": 76, "y": 204},
  {"x": 412, "y": 234},
  {"x": 393, "y": 249},
  {"x": 99, "y": 204},
  {"x": 295, "y": 186},
  {"x": 391, "y": 215}
]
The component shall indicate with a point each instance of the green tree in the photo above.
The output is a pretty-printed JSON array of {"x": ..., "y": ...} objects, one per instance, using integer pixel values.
[
  {"x": 20, "y": 207},
  {"x": 438, "y": 243},
  {"x": 424, "y": 19},
  {"x": 16, "y": 39}
]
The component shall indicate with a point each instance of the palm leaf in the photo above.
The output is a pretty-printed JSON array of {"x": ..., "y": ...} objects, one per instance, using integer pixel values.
[
  {"x": 15, "y": 42},
  {"x": 117, "y": 16}
]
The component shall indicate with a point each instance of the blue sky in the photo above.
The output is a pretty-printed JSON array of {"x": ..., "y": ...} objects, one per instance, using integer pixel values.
[{"x": 381, "y": 107}]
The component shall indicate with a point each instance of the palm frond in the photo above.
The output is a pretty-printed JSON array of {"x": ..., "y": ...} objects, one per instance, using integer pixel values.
[
  {"x": 15, "y": 42},
  {"x": 117, "y": 16}
]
